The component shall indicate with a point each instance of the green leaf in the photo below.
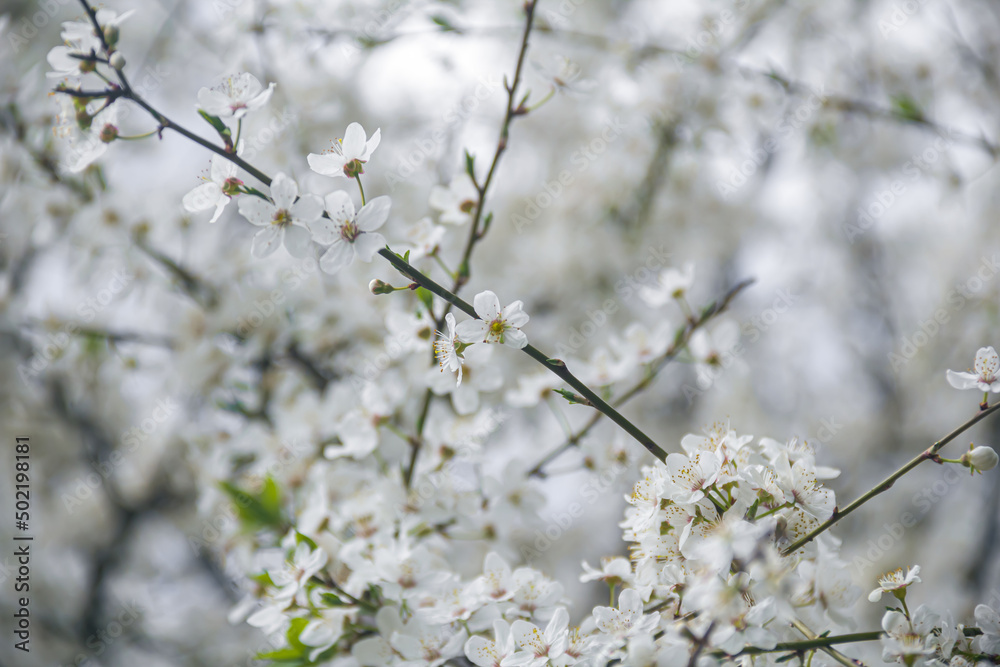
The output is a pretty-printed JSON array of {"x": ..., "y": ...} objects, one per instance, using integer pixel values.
[
  {"x": 300, "y": 538},
  {"x": 443, "y": 22},
  {"x": 294, "y": 630},
  {"x": 425, "y": 297},
  {"x": 572, "y": 398},
  {"x": 332, "y": 600},
  {"x": 214, "y": 121},
  {"x": 905, "y": 107},
  {"x": 470, "y": 165},
  {"x": 260, "y": 511},
  {"x": 284, "y": 655},
  {"x": 264, "y": 579}
]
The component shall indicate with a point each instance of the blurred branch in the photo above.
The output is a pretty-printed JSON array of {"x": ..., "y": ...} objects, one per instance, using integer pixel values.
[
  {"x": 195, "y": 287},
  {"x": 113, "y": 337},
  {"x": 556, "y": 366},
  {"x": 12, "y": 122},
  {"x": 681, "y": 339},
  {"x": 514, "y": 108}
]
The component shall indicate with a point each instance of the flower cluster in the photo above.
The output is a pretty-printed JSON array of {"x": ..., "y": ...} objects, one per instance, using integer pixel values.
[{"x": 357, "y": 551}]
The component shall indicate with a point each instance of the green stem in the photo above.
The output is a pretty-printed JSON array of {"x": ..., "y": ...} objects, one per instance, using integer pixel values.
[
  {"x": 137, "y": 136},
  {"x": 556, "y": 366},
  {"x": 809, "y": 644},
  {"x": 165, "y": 123},
  {"x": 462, "y": 275},
  {"x": 679, "y": 343},
  {"x": 444, "y": 267},
  {"x": 772, "y": 511},
  {"x": 887, "y": 483},
  {"x": 358, "y": 179}
]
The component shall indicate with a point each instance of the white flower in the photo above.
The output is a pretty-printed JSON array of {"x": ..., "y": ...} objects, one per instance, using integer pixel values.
[
  {"x": 538, "y": 648},
  {"x": 234, "y": 97},
  {"x": 904, "y": 639},
  {"x": 799, "y": 485},
  {"x": 291, "y": 579},
  {"x": 989, "y": 622},
  {"x": 613, "y": 570},
  {"x": 83, "y": 31},
  {"x": 480, "y": 377},
  {"x": 628, "y": 619},
  {"x": 980, "y": 459},
  {"x": 348, "y": 155},
  {"x": 748, "y": 629},
  {"x": 984, "y": 379},
  {"x": 690, "y": 476},
  {"x": 457, "y": 202},
  {"x": 63, "y": 62},
  {"x": 269, "y": 619},
  {"x": 284, "y": 222},
  {"x": 424, "y": 236},
  {"x": 445, "y": 349},
  {"x": 94, "y": 143},
  {"x": 564, "y": 75},
  {"x": 894, "y": 581},
  {"x": 485, "y": 653},
  {"x": 81, "y": 39},
  {"x": 349, "y": 234},
  {"x": 323, "y": 632},
  {"x": 496, "y": 582},
  {"x": 673, "y": 284},
  {"x": 218, "y": 191},
  {"x": 494, "y": 325}
]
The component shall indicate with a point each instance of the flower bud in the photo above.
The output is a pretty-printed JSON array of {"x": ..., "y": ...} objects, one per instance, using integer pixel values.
[
  {"x": 111, "y": 35},
  {"x": 378, "y": 287},
  {"x": 980, "y": 458},
  {"x": 117, "y": 60},
  {"x": 109, "y": 133}
]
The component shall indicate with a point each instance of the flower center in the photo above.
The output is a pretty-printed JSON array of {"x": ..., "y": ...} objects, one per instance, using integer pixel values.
[
  {"x": 281, "y": 217},
  {"x": 231, "y": 186},
  {"x": 497, "y": 327},
  {"x": 467, "y": 206},
  {"x": 349, "y": 231}
]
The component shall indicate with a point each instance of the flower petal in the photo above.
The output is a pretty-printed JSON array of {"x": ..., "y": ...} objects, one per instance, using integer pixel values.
[
  {"x": 284, "y": 190},
  {"x": 339, "y": 206},
  {"x": 297, "y": 239},
  {"x": 374, "y": 214},
  {"x": 367, "y": 244},
  {"x": 202, "y": 198},
  {"x": 266, "y": 241},
  {"x": 353, "y": 143},
  {"x": 515, "y": 338},
  {"x": 962, "y": 380},
  {"x": 214, "y": 102},
  {"x": 372, "y": 144},
  {"x": 307, "y": 208},
  {"x": 326, "y": 164},
  {"x": 487, "y": 305},
  {"x": 339, "y": 255},
  {"x": 324, "y": 231},
  {"x": 256, "y": 210},
  {"x": 472, "y": 331},
  {"x": 222, "y": 169}
]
